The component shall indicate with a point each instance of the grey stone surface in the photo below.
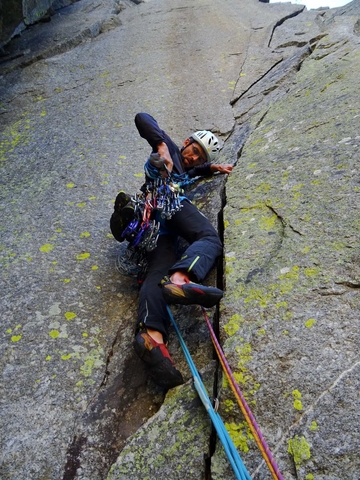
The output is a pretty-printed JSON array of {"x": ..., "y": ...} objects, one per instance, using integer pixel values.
[
  {"x": 174, "y": 442},
  {"x": 290, "y": 319},
  {"x": 74, "y": 394}
]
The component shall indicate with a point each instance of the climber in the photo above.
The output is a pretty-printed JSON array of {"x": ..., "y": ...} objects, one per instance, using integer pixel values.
[{"x": 168, "y": 279}]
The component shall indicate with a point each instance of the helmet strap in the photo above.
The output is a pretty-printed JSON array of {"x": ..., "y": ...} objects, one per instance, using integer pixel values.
[{"x": 191, "y": 140}]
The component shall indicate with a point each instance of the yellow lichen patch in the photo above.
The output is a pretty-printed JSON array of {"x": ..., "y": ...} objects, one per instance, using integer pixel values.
[
  {"x": 138, "y": 175},
  {"x": 92, "y": 360},
  {"x": 66, "y": 357},
  {"x": 338, "y": 245},
  {"x": 263, "y": 188},
  {"x": 66, "y": 280},
  {"x": 69, "y": 315},
  {"x": 240, "y": 435},
  {"x": 234, "y": 324},
  {"x": 255, "y": 295},
  {"x": 297, "y": 402},
  {"x": 70, "y": 185},
  {"x": 82, "y": 256},
  {"x": 299, "y": 449},
  {"x": 229, "y": 405},
  {"x": 94, "y": 267},
  {"x": 244, "y": 352},
  {"x": 311, "y": 272},
  {"x": 267, "y": 223},
  {"x": 314, "y": 426},
  {"x": 15, "y": 137},
  {"x": 54, "y": 333},
  {"x": 310, "y": 323},
  {"x": 84, "y": 235},
  {"x": 81, "y": 204},
  {"x": 16, "y": 338},
  {"x": 48, "y": 358},
  {"x": 46, "y": 248},
  {"x": 287, "y": 315}
]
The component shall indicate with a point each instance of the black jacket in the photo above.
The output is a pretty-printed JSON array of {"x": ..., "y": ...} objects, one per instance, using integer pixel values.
[{"x": 149, "y": 130}]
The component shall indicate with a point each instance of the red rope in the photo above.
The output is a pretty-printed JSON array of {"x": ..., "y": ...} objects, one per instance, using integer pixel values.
[{"x": 249, "y": 417}]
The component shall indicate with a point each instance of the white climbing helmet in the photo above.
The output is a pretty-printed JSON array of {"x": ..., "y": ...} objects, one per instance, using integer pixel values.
[{"x": 209, "y": 142}]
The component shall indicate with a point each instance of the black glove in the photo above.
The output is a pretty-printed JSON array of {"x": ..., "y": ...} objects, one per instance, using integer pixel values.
[{"x": 157, "y": 161}]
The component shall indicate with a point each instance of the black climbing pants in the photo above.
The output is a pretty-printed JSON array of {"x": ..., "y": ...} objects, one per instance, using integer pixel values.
[{"x": 198, "y": 259}]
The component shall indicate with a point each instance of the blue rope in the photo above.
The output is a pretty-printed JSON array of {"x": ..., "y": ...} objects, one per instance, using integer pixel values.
[
  {"x": 184, "y": 180},
  {"x": 230, "y": 450}
]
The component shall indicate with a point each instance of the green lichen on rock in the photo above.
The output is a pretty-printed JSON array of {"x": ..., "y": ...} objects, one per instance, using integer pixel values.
[
  {"x": 234, "y": 324},
  {"x": 291, "y": 216},
  {"x": 240, "y": 434},
  {"x": 297, "y": 400},
  {"x": 299, "y": 449},
  {"x": 174, "y": 440},
  {"x": 314, "y": 426}
]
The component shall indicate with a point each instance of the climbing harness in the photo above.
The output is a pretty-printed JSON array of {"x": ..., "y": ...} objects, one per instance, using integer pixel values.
[
  {"x": 159, "y": 200},
  {"x": 245, "y": 409},
  {"x": 230, "y": 450}
]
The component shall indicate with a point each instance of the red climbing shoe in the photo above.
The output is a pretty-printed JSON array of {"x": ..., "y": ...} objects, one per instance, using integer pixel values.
[
  {"x": 190, "y": 293},
  {"x": 157, "y": 358}
]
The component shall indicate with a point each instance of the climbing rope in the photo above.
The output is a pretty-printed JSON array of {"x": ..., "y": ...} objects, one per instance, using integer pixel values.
[
  {"x": 249, "y": 417},
  {"x": 229, "y": 447}
]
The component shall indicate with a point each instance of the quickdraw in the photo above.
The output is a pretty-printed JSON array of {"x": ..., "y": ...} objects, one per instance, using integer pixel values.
[{"x": 161, "y": 195}]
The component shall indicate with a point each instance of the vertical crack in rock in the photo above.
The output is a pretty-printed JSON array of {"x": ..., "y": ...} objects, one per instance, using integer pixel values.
[
  {"x": 216, "y": 323},
  {"x": 236, "y": 99},
  {"x": 282, "y": 20},
  {"x": 73, "y": 457}
]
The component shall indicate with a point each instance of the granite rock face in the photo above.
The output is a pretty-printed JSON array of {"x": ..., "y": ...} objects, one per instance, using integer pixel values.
[
  {"x": 290, "y": 319},
  {"x": 279, "y": 85},
  {"x": 17, "y": 15}
]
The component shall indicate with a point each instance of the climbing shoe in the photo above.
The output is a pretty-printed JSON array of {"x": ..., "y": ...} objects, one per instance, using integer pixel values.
[
  {"x": 190, "y": 293},
  {"x": 158, "y": 360}
]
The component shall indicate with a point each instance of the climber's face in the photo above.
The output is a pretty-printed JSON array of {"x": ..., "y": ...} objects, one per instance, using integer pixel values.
[{"x": 192, "y": 154}]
